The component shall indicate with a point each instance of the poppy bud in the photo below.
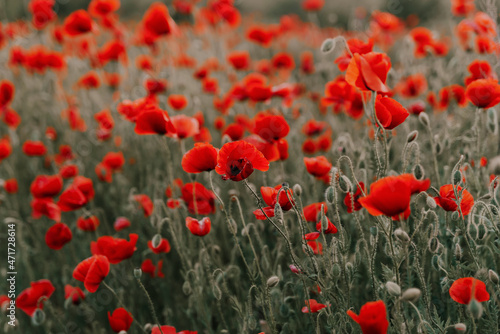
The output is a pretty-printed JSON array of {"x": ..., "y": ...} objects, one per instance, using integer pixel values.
[
  {"x": 330, "y": 194},
  {"x": 457, "y": 177},
  {"x": 431, "y": 203},
  {"x": 272, "y": 281},
  {"x": 393, "y": 288},
  {"x": 38, "y": 317},
  {"x": 252, "y": 322},
  {"x": 336, "y": 270},
  {"x": 418, "y": 171},
  {"x": 138, "y": 273},
  {"x": 411, "y": 295},
  {"x": 412, "y": 136},
  {"x": 328, "y": 45},
  {"x": 297, "y": 189},
  {"x": 439, "y": 147},
  {"x": 402, "y": 235},
  {"x": 148, "y": 327},
  {"x": 472, "y": 230},
  {"x": 475, "y": 308},
  {"x": 186, "y": 288},
  {"x": 460, "y": 328},
  {"x": 455, "y": 215},
  {"x": 278, "y": 212},
  {"x": 493, "y": 276},
  {"x": 155, "y": 242},
  {"x": 216, "y": 291},
  {"x": 373, "y": 230},
  {"x": 434, "y": 245},
  {"x": 494, "y": 209},
  {"x": 424, "y": 119},
  {"x": 345, "y": 184}
]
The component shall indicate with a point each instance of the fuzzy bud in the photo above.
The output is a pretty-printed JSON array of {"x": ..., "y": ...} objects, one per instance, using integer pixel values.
[
  {"x": 393, "y": 289},
  {"x": 401, "y": 235},
  {"x": 278, "y": 212},
  {"x": 460, "y": 327},
  {"x": 186, "y": 288},
  {"x": 411, "y": 295},
  {"x": 138, "y": 273},
  {"x": 345, "y": 184},
  {"x": 272, "y": 281},
  {"x": 493, "y": 276},
  {"x": 419, "y": 172},
  {"x": 156, "y": 241},
  {"x": 38, "y": 317},
  {"x": 431, "y": 202},
  {"x": 336, "y": 270},
  {"x": 328, "y": 45},
  {"x": 475, "y": 308},
  {"x": 297, "y": 190},
  {"x": 412, "y": 136},
  {"x": 424, "y": 119},
  {"x": 455, "y": 216},
  {"x": 330, "y": 195},
  {"x": 457, "y": 177}
]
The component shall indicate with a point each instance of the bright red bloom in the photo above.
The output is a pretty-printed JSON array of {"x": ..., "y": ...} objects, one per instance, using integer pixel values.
[
  {"x": 5, "y": 148},
  {"x": 121, "y": 223},
  {"x": 316, "y": 246},
  {"x": 462, "y": 7},
  {"x": 412, "y": 86},
  {"x": 72, "y": 199},
  {"x": 462, "y": 289},
  {"x": 34, "y": 148},
  {"x": 199, "y": 200},
  {"x": 318, "y": 166},
  {"x": 154, "y": 120},
  {"x": 75, "y": 293},
  {"x": 237, "y": 160},
  {"x": 148, "y": 267},
  {"x": 260, "y": 35},
  {"x": 283, "y": 61},
  {"x": 312, "y": 5},
  {"x": 114, "y": 160},
  {"x": 483, "y": 93},
  {"x": 448, "y": 201},
  {"x": 44, "y": 186},
  {"x": 240, "y": 60},
  {"x": 88, "y": 224},
  {"x": 311, "y": 211},
  {"x": 270, "y": 197},
  {"x": 391, "y": 195},
  {"x": 157, "y": 21},
  {"x": 271, "y": 127},
  {"x": 7, "y": 91},
  {"x": 45, "y": 207},
  {"x": 372, "y": 318},
  {"x": 198, "y": 227},
  {"x": 92, "y": 272},
  {"x": 102, "y": 8},
  {"x": 78, "y": 23},
  {"x": 201, "y": 158},
  {"x": 349, "y": 198},
  {"x": 115, "y": 249},
  {"x": 68, "y": 171},
  {"x": 58, "y": 235},
  {"x": 185, "y": 126},
  {"x": 42, "y": 12},
  {"x": 390, "y": 113},
  {"x": 163, "y": 247},
  {"x": 369, "y": 72},
  {"x": 330, "y": 229},
  {"x": 120, "y": 320},
  {"x": 145, "y": 203},
  {"x": 177, "y": 101},
  {"x": 479, "y": 69},
  {"x": 312, "y": 305},
  {"x": 11, "y": 186},
  {"x": 28, "y": 299}
]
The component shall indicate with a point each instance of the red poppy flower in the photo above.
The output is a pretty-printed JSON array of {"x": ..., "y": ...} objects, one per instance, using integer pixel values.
[
  {"x": 462, "y": 7},
  {"x": 330, "y": 229},
  {"x": 312, "y": 5},
  {"x": 121, "y": 223},
  {"x": 185, "y": 126},
  {"x": 391, "y": 195},
  {"x": 372, "y": 318},
  {"x": 318, "y": 166},
  {"x": 92, "y": 272},
  {"x": 271, "y": 127},
  {"x": 46, "y": 186},
  {"x": 145, "y": 203},
  {"x": 114, "y": 161},
  {"x": 154, "y": 120},
  {"x": 11, "y": 186},
  {"x": 115, "y": 249},
  {"x": 483, "y": 93},
  {"x": 78, "y": 23},
  {"x": 28, "y": 299},
  {"x": 312, "y": 211},
  {"x": 75, "y": 293},
  {"x": 312, "y": 305},
  {"x": 163, "y": 247},
  {"x": 177, "y": 101},
  {"x": 390, "y": 113},
  {"x": 269, "y": 195},
  {"x": 102, "y": 8},
  {"x": 462, "y": 289},
  {"x": 157, "y": 20},
  {"x": 164, "y": 330},
  {"x": 68, "y": 171},
  {"x": 316, "y": 246},
  {"x": 11, "y": 118},
  {"x": 349, "y": 198},
  {"x": 42, "y": 12},
  {"x": 237, "y": 160},
  {"x": 199, "y": 200},
  {"x": 57, "y": 236},
  {"x": 240, "y": 60},
  {"x": 448, "y": 201},
  {"x": 260, "y": 36},
  {"x": 120, "y": 320},
  {"x": 198, "y": 227},
  {"x": 283, "y": 61},
  {"x": 45, "y": 207},
  {"x": 479, "y": 69},
  {"x": 89, "y": 81},
  {"x": 5, "y": 148},
  {"x": 88, "y": 224},
  {"x": 34, "y": 148},
  {"x": 7, "y": 90},
  {"x": 149, "y": 268},
  {"x": 369, "y": 72},
  {"x": 71, "y": 199},
  {"x": 201, "y": 158},
  {"x": 412, "y": 86}
]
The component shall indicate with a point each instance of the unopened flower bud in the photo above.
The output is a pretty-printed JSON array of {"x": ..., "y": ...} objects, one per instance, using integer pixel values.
[
  {"x": 345, "y": 184},
  {"x": 186, "y": 288},
  {"x": 493, "y": 276},
  {"x": 431, "y": 202},
  {"x": 336, "y": 270},
  {"x": 460, "y": 328},
  {"x": 424, "y": 119},
  {"x": 38, "y": 317},
  {"x": 393, "y": 288},
  {"x": 455, "y": 216},
  {"x": 457, "y": 177},
  {"x": 278, "y": 212},
  {"x": 272, "y": 281},
  {"x": 411, "y": 295},
  {"x": 328, "y": 45},
  {"x": 330, "y": 195},
  {"x": 297, "y": 189},
  {"x": 137, "y": 273},
  {"x": 216, "y": 291},
  {"x": 412, "y": 136},
  {"x": 156, "y": 241},
  {"x": 419, "y": 172},
  {"x": 401, "y": 235},
  {"x": 475, "y": 308},
  {"x": 458, "y": 252}
]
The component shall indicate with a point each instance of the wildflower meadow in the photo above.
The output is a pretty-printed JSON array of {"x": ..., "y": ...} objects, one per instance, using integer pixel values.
[{"x": 193, "y": 166}]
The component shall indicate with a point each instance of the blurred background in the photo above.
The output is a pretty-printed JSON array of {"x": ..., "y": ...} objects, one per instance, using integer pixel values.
[{"x": 335, "y": 12}]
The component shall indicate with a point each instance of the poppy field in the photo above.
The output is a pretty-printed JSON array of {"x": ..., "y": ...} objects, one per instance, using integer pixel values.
[{"x": 199, "y": 169}]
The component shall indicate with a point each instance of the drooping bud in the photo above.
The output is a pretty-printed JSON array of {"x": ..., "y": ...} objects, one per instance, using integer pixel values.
[
  {"x": 424, "y": 119},
  {"x": 186, "y": 288},
  {"x": 393, "y": 288},
  {"x": 457, "y": 177},
  {"x": 137, "y": 273},
  {"x": 411, "y": 295},
  {"x": 156, "y": 241},
  {"x": 419, "y": 172},
  {"x": 412, "y": 136},
  {"x": 345, "y": 184},
  {"x": 297, "y": 189},
  {"x": 330, "y": 195},
  {"x": 278, "y": 212},
  {"x": 455, "y": 216},
  {"x": 328, "y": 45},
  {"x": 493, "y": 276},
  {"x": 38, "y": 317},
  {"x": 272, "y": 281},
  {"x": 458, "y": 252},
  {"x": 431, "y": 202},
  {"x": 475, "y": 308}
]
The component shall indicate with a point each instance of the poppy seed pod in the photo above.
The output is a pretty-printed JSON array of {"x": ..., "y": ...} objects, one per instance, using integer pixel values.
[
  {"x": 411, "y": 295},
  {"x": 393, "y": 288},
  {"x": 272, "y": 281}
]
